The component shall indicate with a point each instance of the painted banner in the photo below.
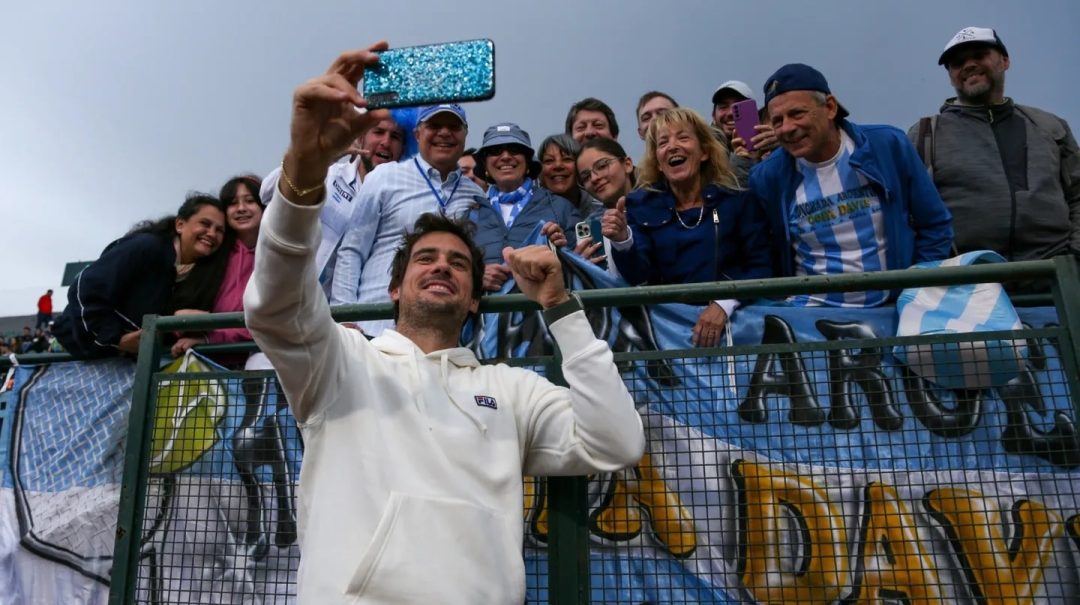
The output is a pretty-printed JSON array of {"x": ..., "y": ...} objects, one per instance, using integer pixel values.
[{"x": 786, "y": 476}]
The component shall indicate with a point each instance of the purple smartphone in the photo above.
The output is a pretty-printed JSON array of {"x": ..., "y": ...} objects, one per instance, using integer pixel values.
[{"x": 746, "y": 117}]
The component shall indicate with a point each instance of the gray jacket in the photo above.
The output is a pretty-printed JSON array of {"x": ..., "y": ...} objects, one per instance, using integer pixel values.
[
  {"x": 1010, "y": 175},
  {"x": 492, "y": 234}
]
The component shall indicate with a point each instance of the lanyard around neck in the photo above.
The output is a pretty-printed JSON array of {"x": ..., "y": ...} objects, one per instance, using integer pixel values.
[{"x": 434, "y": 191}]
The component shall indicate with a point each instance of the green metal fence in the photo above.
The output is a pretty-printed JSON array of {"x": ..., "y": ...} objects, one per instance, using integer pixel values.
[{"x": 637, "y": 510}]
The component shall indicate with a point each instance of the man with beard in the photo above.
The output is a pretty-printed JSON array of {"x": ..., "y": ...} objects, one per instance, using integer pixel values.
[
  {"x": 411, "y": 486},
  {"x": 1009, "y": 173},
  {"x": 382, "y": 143},
  {"x": 842, "y": 197},
  {"x": 391, "y": 200}
]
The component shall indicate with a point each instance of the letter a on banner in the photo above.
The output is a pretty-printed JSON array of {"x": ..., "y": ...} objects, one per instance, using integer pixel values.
[{"x": 892, "y": 566}]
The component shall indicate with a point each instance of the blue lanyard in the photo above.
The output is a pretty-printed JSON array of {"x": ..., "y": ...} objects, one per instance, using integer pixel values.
[{"x": 435, "y": 192}]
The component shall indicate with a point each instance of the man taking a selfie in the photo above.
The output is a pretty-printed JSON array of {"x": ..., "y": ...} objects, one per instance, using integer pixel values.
[{"x": 411, "y": 486}]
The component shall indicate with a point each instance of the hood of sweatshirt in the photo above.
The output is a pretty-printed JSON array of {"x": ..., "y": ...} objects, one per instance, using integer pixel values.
[
  {"x": 393, "y": 344},
  {"x": 986, "y": 113}
]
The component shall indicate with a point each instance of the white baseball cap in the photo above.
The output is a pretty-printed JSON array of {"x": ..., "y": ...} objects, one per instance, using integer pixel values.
[
  {"x": 973, "y": 35},
  {"x": 735, "y": 86}
]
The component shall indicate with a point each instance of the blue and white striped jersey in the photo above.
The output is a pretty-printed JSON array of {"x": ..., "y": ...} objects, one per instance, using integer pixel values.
[{"x": 837, "y": 226}]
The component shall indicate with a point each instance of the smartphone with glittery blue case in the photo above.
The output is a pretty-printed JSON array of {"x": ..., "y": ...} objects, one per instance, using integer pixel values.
[{"x": 450, "y": 72}]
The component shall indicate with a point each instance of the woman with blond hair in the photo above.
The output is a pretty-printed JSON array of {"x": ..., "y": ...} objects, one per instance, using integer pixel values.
[{"x": 688, "y": 221}]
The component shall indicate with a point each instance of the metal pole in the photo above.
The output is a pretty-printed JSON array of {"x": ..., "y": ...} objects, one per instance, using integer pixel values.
[
  {"x": 1066, "y": 290},
  {"x": 122, "y": 585},
  {"x": 568, "y": 534}
]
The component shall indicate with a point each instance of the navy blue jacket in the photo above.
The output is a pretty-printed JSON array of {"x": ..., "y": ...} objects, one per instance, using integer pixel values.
[
  {"x": 730, "y": 243},
  {"x": 544, "y": 206},
  {"x": 918, "y": 227},
  {"x": 134, "y": 276}
]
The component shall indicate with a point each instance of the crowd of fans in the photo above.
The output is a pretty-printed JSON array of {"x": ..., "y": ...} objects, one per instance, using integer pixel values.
[
  {"x": 809, "y": 193},
  {"x": 37, "y": 340}
]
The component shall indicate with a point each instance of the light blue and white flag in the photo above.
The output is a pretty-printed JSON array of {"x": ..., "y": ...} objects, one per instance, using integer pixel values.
[{"x": 957, "y": 310}]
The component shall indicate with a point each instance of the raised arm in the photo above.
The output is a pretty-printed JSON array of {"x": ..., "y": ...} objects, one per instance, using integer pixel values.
[
  {"x": 631, "y": 248},
  {"x": 592, "y": 425},
  {"x": 284, "y": 306}
]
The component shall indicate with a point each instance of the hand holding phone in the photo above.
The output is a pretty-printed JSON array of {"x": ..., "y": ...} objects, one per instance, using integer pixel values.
[
  {"x": 450, "y": 72},
  {"x": 329, "y": 99},
  {"x": 746, "y": 118}
]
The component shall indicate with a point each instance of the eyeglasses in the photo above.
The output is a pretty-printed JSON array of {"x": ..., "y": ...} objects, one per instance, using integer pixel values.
[
  {"x": 451, "y": 125},
  {"x": 497, "y": 150},
  {"x": 598, "y": 166}
]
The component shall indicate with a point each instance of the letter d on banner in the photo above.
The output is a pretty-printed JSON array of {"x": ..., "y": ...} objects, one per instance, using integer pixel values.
[{"x": 792, "y": 547}]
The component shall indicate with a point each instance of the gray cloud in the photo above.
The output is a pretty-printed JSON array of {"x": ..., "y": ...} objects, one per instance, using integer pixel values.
[{"x": 114, "y": 110}]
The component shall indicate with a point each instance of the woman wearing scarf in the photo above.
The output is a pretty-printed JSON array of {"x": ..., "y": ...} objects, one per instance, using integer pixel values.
[{"x": 517, "y": 205}]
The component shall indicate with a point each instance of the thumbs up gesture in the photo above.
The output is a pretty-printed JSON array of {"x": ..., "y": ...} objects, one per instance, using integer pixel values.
[{"x": 613, "y": 224}]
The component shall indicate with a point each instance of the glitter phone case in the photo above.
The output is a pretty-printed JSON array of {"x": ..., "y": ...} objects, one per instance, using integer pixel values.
[{"x": 437, "y": 73}]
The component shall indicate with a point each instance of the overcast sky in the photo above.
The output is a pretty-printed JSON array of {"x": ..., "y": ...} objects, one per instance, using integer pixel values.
[{"x": 113, "y": 110}]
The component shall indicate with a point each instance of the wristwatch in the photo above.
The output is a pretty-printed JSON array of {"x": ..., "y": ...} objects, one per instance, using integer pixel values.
[{"x": 561, "y": 310}]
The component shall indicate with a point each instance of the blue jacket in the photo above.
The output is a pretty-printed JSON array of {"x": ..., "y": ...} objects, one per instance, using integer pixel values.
[
  {"x": 731, "y": 241},
  {"x": 135, "y": 276},
  {"x": 544, "y": 206},
  {"x": 918, "y": 227}
]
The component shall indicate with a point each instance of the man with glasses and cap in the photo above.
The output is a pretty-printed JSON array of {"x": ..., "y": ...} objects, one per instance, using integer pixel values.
[
  {"x": 842, "y": 197},
  {"x": 516, "y": 204},
  {"x": 391, "y": 200},
  {"x": 1009, "y": 173}
]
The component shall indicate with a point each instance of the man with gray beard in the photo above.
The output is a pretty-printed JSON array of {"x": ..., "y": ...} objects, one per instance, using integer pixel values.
[{"x": 1009, "y": 173}]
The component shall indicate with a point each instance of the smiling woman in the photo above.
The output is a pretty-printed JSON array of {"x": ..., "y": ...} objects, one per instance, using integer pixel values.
[
  {"x": 243, "y": 215},
  {"x": 558, "y": 172},
  {"x": 160, "y": 266},
  {"x": 516, "y": 205},
  {"x": 688, "y": 221}
]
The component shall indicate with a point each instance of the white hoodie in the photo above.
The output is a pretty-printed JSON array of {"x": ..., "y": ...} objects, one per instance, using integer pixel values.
[{"x": 411, "y": 485}]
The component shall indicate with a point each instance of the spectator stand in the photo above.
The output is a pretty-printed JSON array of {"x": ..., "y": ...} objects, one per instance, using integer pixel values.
[{"x": 760, "y": 482}]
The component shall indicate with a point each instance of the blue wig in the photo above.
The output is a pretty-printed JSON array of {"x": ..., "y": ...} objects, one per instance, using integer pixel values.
[{"x": 406, "y": 118}]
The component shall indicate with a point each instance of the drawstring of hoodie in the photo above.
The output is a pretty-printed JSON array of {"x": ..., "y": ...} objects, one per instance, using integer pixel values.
[
  {"x": 418, "y": 396},
  {"x": 444, "y": 376}
]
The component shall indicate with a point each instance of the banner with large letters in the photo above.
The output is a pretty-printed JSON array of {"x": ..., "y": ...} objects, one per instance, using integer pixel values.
[{"x": 779, "y": 474}]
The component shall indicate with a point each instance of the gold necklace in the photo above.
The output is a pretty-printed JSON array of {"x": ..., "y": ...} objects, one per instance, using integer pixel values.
[{"x": 701, "y": 215}]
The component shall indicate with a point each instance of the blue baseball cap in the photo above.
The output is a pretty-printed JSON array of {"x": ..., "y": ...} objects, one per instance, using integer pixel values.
[
  {"x": 797, "y": 76},
  {"x": 428, "y": 111}
]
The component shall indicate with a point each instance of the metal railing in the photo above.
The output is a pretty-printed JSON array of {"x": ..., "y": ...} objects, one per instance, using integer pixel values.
[{"x": 569, "y": 529}]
